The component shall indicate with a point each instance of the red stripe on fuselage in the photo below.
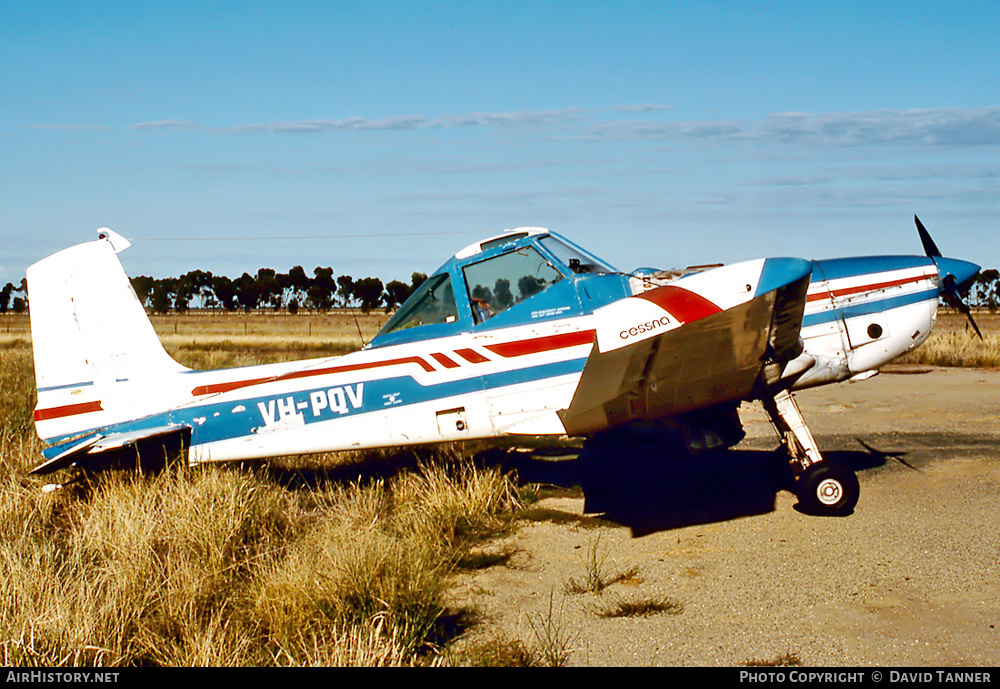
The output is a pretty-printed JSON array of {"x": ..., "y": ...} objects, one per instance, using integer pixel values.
[
  {"x": 682, "y": 304},
  {"x": 67, "y": 410},
  {"x": 444, "y": 360},
  {"x": 847, "y": 291},
  {"x": 542, "y": 344},
  {"x": 329, "y": 370},
  {"x": 471, "y": 355}
]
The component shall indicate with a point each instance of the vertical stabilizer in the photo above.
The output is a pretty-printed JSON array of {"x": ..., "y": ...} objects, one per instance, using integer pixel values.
[{"x": 93, "y": 343}]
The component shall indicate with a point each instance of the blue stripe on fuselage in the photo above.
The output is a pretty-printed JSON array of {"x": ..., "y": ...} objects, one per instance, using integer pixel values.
[{"x": 868, "y": 307}]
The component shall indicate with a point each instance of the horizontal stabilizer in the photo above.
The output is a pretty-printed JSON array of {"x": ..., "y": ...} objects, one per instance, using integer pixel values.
[{"x": 94, "y": 448}]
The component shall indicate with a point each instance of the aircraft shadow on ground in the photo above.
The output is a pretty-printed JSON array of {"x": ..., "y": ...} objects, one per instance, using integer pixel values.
[
  {"x": 640, "y": 487},
  {"x": 650, "y": 493}
]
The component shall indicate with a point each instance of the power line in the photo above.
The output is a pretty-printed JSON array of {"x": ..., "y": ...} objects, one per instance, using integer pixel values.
[{"x": 300, "y": 237}]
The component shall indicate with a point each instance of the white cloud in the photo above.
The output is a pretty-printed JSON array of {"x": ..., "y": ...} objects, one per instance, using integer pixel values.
[
  {"x": 72, "y": 127},
  {"x": 175, "y": 125},
  {"x": 934, "y": 127}
]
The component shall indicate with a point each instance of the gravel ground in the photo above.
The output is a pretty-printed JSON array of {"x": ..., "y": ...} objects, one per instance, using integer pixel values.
[{"x": 912, "y": 578}]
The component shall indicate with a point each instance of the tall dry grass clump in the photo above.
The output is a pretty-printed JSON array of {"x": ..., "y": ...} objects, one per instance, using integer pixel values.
[
  {"x": 383, "y": 558},
  {"x": 17, "y": 392},
  {"x": 134, "y": 571}
]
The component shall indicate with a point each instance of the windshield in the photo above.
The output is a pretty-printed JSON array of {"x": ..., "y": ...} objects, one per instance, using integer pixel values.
[{"x": 432, "y": 302}]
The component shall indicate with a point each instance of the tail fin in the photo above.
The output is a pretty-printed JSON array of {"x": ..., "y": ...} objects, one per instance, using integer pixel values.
[{"x": 93, "y": 343}]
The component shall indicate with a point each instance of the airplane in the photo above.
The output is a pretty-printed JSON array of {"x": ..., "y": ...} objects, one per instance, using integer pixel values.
[{"x": 520, "y": 334}]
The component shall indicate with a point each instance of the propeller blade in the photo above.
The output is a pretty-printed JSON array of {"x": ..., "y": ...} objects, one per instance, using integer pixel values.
[
  {"x": 954, "y": 299},
  {"x": 964, "y": 308},
  {"x": 930, "y": 248},
  {"x": 949, "y": 286}
]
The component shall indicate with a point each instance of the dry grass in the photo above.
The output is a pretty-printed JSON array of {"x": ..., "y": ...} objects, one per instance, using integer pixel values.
[
  {"x": 337, "y": 332},
  {"x": 954, "y": 343},
  {"x": 789, "y": 659},
  {"x": 225, "y": 567},
  {"x": 639, "y": 607}
]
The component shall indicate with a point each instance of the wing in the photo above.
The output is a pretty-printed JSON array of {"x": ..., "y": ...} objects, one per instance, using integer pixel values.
[{"x": 672, "y": 350}]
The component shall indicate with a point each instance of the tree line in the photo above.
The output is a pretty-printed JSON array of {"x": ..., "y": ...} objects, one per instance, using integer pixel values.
[{"x": 269, "y": 289}]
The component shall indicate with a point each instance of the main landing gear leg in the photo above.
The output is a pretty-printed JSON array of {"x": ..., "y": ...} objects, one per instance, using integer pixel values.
[{"x": 823, "y": 487}]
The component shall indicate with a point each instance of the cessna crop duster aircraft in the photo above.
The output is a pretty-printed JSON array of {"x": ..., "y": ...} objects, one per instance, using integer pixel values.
[{"x": 523, "y": 334}]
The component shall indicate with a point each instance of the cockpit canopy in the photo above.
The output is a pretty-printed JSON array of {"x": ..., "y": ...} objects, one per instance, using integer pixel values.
[{"x": 524, "y": 275}]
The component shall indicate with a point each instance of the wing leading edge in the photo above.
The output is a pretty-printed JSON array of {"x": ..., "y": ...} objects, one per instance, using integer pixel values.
[{"x": 705, "y": 355}]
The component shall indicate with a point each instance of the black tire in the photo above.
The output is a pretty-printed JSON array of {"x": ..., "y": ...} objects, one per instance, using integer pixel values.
[{"x": 828, "y": 489}]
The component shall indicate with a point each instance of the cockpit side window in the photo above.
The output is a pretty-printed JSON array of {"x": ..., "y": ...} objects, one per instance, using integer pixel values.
[
  {"x": 496, "y": 284},
  {"x": 575, "y": 258},
  {"x": 432, "y": 302}
]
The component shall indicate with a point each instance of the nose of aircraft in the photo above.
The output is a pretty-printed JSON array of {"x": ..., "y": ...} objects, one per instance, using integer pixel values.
[{"x": 960, "y": 271}]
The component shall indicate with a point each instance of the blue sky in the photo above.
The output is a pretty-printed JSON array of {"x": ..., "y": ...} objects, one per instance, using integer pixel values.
[{"x": 380, "y": 137}]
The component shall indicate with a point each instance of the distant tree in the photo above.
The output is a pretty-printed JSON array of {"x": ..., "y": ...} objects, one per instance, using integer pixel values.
[
  {"x": 368, "y": 291},
  {"x": 247, "y": 292},
  {"x": 198, "y": 286},
  {"x": 296, "y": 284},
  {"x": 417, "y": 279},
  {"x": 320, "y": 289},
  {"x": 185, "y": 288},
  {"x": 396, "y": 293},
  {"x": 268, "y": 288},
  {"x": 345, "y": 285},
  {"x": 20, "y": 305},
  {"x": 224, "y": 290},
  {"x": 162, "y": 296},
  {"x": 986, "y": 289},
  {"x": 5, "y": 297},
  {"x": 143, "y": 287}
]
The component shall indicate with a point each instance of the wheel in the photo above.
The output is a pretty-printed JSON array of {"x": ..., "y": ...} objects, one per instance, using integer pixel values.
[{"x": 828, "y": 489}]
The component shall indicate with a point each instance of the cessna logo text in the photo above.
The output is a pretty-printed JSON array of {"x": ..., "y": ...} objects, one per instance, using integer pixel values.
[{"x": 646, "y": 327}]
